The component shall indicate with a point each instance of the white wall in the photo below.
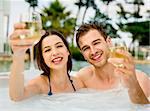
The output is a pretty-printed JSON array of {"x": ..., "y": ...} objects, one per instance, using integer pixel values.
[{"x": 4, "y": 12}]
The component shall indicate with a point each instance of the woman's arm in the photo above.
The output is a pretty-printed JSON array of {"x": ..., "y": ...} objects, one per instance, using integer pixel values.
[
  {"x": 16, "y": 79},
  {"x": 17, "y": 90}
]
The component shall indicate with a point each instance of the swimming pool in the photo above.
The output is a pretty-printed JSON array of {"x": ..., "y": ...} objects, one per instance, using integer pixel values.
[
  {"x": 5, "y": 66},
  {"x": 143, "y": 67},
  {"x": 82, "y": 100}
]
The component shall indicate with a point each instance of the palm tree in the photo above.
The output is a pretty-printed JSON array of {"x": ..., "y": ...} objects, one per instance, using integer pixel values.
[
  {"x": 32, "y": 3},
  {"x": 87, "y": 4},
  {"x": 80, "y": 4},
  {"x": 123, "y": 14},
  {"x": 132, "y": 27},
  {"x": 107, "y": 1},
  {"x": 56, "y": 17},
  {"x": 137, "y": 4},
  {"x": 104, "y": 20}
]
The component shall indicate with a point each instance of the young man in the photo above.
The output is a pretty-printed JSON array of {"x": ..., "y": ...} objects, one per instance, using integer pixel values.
[{"x": 94, "y": 45}]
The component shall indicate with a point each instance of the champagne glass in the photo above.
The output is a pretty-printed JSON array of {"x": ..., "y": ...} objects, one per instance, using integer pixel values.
[
  {"x": 117, "y": 43},
  {"x": 32, "y": 20}
]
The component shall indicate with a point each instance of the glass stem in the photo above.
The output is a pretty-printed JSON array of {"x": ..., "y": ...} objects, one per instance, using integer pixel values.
[{"x": 32, "y": 57}]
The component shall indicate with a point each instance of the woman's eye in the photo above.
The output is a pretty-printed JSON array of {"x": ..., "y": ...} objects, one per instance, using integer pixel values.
[
  {"x": 47, "y": 50},
  {"x": 59, "y": 46}
]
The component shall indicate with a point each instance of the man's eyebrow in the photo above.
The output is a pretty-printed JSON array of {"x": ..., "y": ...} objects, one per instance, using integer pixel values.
[
  {"x": 92, "y": 42},
  {"x": 96, "y": 40},
  {"x": 83, "y": 47}
]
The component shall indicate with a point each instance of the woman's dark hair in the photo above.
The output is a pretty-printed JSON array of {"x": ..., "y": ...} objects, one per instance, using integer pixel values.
[{"x": 39, "y": 56}]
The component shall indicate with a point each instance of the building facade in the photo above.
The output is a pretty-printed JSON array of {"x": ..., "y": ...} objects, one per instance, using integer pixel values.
[{"x": 4, "y": 23}]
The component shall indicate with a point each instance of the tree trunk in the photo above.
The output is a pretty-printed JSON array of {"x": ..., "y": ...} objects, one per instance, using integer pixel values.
[{"x": 84, "y": 15}]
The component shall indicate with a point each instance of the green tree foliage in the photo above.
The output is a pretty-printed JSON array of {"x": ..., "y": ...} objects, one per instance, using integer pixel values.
[
  {"x": 80, "y": 4},
  {"x": 87, "y": 4},
  {"x": 104, "y": 20},
  {"x": 56, "y": 17},
  {"x": 32, "y": 3},
  {"x": 139, "y": 29}
]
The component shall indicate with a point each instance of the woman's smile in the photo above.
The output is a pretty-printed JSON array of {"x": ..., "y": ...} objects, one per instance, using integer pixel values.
[{"x": 57, "y": 60}]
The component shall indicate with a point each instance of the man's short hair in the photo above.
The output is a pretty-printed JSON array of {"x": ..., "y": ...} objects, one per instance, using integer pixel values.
[{"x": 85, "y": 28}]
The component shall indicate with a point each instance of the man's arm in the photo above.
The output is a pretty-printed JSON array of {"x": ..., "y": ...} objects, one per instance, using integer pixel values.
[
  {"x": 144, "y": 81},
  {"x": 137, "y": 95},
  {"x": 129, "y": 75}
]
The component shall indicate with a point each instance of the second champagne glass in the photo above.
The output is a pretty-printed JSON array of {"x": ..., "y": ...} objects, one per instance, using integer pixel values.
[{"x": 117, "y": 43}]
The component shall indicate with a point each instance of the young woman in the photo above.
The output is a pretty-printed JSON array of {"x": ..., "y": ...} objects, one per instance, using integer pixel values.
[{"x": 53, "y": 58}]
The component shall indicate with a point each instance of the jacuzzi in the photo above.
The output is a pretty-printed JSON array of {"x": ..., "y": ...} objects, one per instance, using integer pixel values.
[{"x": 82, "y": 100}]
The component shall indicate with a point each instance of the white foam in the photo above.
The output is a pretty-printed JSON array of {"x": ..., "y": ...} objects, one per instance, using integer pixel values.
[{"x": 82, "y": 100}]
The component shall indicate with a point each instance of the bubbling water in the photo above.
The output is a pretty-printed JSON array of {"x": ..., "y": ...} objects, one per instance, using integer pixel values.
[{"x": 82, "y": 100}]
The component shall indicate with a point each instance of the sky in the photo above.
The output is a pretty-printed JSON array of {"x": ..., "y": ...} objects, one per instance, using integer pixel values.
[
  {"x": 16, "y": 5},
  {"x": 19, "y": 6}
]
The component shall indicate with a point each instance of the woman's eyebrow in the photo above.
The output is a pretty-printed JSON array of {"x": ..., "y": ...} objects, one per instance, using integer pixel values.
[
  {"x": 46, "y": 47},
  {"x": 55, "y": 44},
  {"x": 59, "y": 43}
]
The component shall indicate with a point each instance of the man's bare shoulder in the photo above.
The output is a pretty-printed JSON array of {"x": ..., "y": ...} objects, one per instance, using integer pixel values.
[
  {"x": 141, "y": 75},
  {"x": 85, "y": 72},
  {"x": 144, "y": 81}
]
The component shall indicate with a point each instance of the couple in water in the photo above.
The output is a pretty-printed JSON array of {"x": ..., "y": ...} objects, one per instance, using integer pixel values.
[{"x": 54, "y": 59}]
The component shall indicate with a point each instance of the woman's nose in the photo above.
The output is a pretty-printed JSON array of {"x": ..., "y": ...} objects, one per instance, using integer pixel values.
[{"x": 54, "y": 52}]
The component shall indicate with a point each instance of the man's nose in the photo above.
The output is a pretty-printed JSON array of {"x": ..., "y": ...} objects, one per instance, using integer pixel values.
[{"x": 93, "y": 50}]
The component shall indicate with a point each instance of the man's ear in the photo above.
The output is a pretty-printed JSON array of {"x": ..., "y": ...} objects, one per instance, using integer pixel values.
[
  {"x": 109, "y": 41},
  {"x": 82, "y": 54}
]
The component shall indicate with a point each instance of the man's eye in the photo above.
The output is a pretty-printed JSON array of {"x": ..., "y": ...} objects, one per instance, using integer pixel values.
[
  {"x": 86, "y": 48},
  {"x": 96, "y": 43}
]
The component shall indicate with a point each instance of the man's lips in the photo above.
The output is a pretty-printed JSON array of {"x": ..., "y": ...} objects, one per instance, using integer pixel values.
[{"x": 96, "y": 57}]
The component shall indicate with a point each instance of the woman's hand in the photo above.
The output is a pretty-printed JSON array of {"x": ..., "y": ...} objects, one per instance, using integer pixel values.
[{"x": 15, "y": 40}]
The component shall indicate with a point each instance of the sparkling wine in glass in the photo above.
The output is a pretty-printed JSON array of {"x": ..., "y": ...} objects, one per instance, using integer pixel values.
[
  {"x": 117, "y": 43},
  {"x": 33, "y": 24}
]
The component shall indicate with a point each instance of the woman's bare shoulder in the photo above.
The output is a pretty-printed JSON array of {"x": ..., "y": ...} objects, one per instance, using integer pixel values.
[{"x": 39, "y": 80}]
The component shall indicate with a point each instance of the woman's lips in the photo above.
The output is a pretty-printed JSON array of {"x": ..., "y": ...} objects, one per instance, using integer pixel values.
[{"x": 57, "y": 60}]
